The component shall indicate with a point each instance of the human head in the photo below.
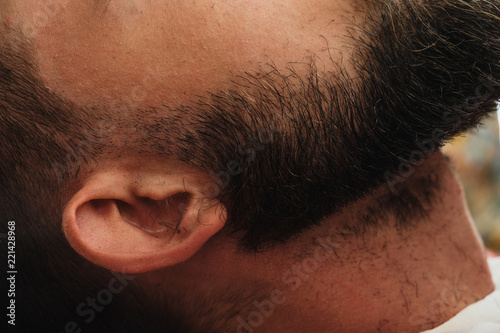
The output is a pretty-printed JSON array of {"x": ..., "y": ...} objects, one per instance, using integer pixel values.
[{"x": 281, "y": 139}]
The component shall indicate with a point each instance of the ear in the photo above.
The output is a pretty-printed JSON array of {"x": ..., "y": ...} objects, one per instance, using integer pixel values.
[{"x": 133, "y": 224}]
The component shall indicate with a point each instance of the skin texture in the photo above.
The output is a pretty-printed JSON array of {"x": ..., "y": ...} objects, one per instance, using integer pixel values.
[
  {"x": 122, "y": 56},
  {"x": 160, "y": 52}
]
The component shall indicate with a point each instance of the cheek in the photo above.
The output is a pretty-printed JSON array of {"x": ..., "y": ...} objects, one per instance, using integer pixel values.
[{"x": 135, "y": 55}]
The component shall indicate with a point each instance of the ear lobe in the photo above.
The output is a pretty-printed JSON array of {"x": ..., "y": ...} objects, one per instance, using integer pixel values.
[{"x": 109, "y": 225}]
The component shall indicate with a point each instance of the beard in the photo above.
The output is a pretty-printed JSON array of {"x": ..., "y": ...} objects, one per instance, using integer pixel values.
[{"x": 287, "y": 150}]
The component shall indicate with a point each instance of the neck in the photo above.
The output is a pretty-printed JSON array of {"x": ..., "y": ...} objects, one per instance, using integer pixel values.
[{"x": 401, "y": 261}]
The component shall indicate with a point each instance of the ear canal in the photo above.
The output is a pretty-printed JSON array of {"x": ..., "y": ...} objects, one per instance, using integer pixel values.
[{"x": 158, "y": 218}]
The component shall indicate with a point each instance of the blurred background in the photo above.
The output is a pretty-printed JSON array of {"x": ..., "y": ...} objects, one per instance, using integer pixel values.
[{"x": 477, "y": 159}]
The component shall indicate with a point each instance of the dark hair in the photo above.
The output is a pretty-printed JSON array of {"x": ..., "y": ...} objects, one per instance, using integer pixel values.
[
  {"x": 422, "y": 66},
  {"x": 425, "y": 71}
]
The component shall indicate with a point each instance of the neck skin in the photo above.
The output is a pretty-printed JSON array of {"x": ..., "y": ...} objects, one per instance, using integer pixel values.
[{"x": 331, "y": 279}]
